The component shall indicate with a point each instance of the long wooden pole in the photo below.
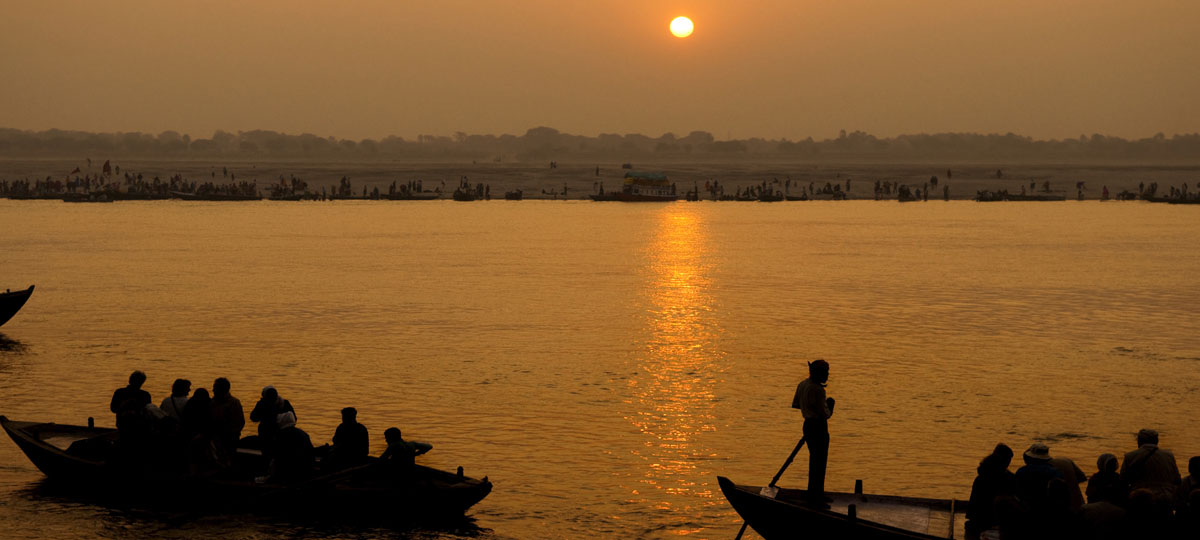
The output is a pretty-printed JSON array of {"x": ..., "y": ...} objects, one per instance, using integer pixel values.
[{"x": 778, "y": 475}]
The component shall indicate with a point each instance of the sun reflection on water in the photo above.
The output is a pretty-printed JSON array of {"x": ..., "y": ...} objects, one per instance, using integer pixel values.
[{"x": 678, "y": 367}]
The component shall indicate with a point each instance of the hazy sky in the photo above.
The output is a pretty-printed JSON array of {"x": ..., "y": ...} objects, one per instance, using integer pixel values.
[{"x": 770, "y": 68}]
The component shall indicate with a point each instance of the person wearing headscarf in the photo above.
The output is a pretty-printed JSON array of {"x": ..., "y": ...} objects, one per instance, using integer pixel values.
[
  {"x": 293, "y": 457},
  {"x": 1106, "y": 483}
]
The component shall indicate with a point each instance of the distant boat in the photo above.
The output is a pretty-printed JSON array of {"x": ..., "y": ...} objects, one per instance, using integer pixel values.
[
  {"x": 770, "y": 197},
  {"x": 98, "y": 197},
  {"x": 641, "y": 187},
  {"x": 11, "y": 302},
  {"x": 412, "y": 196},
  {"x": 214, "y": 197},
  {"x": 464, "y": 195},
  {"x": 513, "y": 195},
  {"x": 784, "y": 515}
]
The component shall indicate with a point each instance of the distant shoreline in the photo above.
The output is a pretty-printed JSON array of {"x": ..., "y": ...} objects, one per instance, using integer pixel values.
[{"x": 581, "y": 179}]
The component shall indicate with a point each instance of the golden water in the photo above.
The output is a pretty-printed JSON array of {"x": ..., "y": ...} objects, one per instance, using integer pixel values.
[{"x": 603, "y": 363}]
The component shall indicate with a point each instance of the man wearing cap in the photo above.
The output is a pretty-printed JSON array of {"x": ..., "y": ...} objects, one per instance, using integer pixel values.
[
  {"x": 816, "y": 408},
  {"x": 1150, "y": 467}
]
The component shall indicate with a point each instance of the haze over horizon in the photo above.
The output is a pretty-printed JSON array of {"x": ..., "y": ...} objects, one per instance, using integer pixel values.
[{"x": 764, "y": 68}]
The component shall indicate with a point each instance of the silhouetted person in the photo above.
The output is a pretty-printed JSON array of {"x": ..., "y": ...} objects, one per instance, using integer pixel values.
[
  {"x": 351, "y": 441},
  {"x": 128, "y": 403},
  {"x": 204, "y": 455},
  {"x": 1033, "y": 478},
  {"x": 1073, "y": 477},
  {"x": 1151, "y": 468},
  {"x": 400, "y": 457},
  {"x": 1187, "y": 517},
  {"x": 227, "y": 416},
  {"x": 1189, "y": 484},
  {"x": 1106, "y": 483},
  {"x": 1102, "y": 518},
  {"x": 1147, "y": 515},
  {"x": 1058, "y": 520},
  {"x": 267, "y": 411},
  {"x": 197, "y": 414},
  {"x": 293, "y": 455},
  {"x": 817, "y": 409},
  {"x": 994, "y": 480},
  {"x": 173, "y": 404}
]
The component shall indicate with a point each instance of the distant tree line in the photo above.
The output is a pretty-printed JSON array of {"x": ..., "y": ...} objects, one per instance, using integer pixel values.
[{"x": 545, "y": 144}]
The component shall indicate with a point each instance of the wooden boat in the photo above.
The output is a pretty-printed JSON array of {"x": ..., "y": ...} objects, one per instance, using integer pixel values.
[
  {"x": 770, "y": 197},
  {"x": 11, "y": 302},
  {"x": 412, "y": 196},
  {"x": 214, "y": 196},
  {"x": 464, "y": 195},
  {"x": 90, "y": 458},
  {"x": 86, "y": 198},
  {"x": 641, "y": 187},
  {"x": 851, "y": 515},
  {"x": 513, "y": 195}
]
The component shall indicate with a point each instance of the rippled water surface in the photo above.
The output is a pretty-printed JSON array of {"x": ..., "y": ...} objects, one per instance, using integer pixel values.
[{"x": 603, "y": 363}]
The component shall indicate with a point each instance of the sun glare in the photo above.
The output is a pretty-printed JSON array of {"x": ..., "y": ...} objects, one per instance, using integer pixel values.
[{"x": 681, "y": 27}]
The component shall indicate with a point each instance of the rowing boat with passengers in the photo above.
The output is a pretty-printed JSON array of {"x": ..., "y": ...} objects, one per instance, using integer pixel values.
[
  {"x": 776, "y": 513},
  {"x": 87, "y": 457}
]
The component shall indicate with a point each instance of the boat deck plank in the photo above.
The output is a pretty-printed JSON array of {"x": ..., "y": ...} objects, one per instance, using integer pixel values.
[{"x": 925, "y": 516}]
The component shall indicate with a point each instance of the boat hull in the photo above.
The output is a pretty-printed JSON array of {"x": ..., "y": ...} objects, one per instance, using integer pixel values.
[
  {"x": 12, "y": 302},
  {"x": 786, "y": 517}
]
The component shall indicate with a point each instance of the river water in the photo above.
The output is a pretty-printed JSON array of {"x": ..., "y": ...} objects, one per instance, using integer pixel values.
[{"x": 603, "y": 363}]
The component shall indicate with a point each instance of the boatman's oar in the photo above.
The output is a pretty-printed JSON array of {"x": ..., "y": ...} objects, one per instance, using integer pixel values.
[{"x": 771, "y": 490}]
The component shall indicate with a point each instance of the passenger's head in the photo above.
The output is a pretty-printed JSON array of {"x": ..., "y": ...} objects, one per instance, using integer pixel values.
[
  {"x": 221, "y": 386},
  {"x": 1037, "y": 453},
  {"x": 200, "y": 393},
  {"x": 1004, "y": 452},
  {"x": 136, "y": 379},
  {"x": 1106, "y": 463},
  {"x": 286, "y": 420},
  {"x": 349, "y": 414},
  {"x": 269, "y": 392},
  {"x": 181, "y": 387},
  {"x": 819, "y": 370},
  {"x": 1147, "y": 436},
  {"x": 1194, "y": 467},
  {"x": 392, "y": 435},
  {"x": 996, "y": 461}
]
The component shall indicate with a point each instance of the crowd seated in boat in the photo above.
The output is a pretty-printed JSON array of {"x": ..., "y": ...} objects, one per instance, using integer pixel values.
[
  {"x": 1145, "y": 498},
  {"x": 200, "y": 436}
]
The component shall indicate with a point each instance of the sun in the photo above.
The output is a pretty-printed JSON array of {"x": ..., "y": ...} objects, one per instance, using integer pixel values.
[{"x": 681, "y": 27}]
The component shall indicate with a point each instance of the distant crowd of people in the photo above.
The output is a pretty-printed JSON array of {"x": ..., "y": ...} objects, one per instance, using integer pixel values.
[
  {"x": 1143, "y": 496},
  {"x": 201, "y": 434}
]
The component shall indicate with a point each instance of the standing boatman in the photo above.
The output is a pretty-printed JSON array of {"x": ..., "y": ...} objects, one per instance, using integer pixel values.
[{"x": 816, "y": 408}]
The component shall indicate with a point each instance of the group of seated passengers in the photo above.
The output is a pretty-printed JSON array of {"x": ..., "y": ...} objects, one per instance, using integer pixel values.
[
  {"x": 207, "y": 432},
  {"x": 1145, "y": 498}
]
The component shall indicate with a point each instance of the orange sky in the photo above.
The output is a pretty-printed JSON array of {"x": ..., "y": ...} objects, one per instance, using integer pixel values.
[{"x": 768, "y": 68}]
